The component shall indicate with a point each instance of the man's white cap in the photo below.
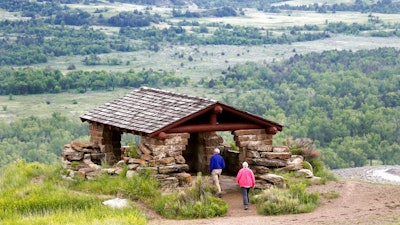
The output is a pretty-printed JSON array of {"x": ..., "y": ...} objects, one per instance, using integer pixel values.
[
  {"x": 216, "y": 150},
  {"x": 245, "y": 165}
]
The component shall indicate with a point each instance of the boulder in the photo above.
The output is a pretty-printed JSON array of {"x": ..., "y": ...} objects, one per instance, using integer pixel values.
[
  {"x": 260, "y": 169},
  {"x": 185, "y": 179},
  {"x": 116, "y": 203},
  {"x": 72, "y": 155},
  {"x": 173, "y": 168},
  {"x": 305, "y": 173},
  {"x": 276, "y": 180}
]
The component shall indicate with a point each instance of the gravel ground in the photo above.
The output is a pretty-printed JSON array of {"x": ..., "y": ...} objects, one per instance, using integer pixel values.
[{"x": 375, "y": 174}]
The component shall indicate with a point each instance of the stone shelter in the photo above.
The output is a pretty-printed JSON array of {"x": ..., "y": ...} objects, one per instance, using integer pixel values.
[{"x": 178, "y": 134}]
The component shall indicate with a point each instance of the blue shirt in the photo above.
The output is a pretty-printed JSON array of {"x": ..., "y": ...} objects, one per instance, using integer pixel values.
[{"x": 217, "y": 162}]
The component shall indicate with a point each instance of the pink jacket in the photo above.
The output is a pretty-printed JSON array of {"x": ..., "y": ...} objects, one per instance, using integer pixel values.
[{"x": 245, "y": 178}]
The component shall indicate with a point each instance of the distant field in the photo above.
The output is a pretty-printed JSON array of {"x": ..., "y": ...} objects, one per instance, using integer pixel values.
[
  {"x": 22, "y": 106},
  {"x": 4, "y": 15},
  {"x": 209, "y": 61},
  {"x": 257, "y": 18}
]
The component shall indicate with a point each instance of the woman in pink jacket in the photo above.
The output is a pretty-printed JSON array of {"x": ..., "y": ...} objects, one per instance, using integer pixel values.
[{"x": 246, "y": 180}]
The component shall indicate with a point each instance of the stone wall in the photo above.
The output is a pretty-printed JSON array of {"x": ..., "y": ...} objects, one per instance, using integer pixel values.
[
  {"x": 165, "y": 157},
  {"x": 162, "y": 156},
  {"x": 170, "y": 158}
]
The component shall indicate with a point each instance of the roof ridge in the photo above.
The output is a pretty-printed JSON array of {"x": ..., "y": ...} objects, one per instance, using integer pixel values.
[{"x": 176, "y": 94}]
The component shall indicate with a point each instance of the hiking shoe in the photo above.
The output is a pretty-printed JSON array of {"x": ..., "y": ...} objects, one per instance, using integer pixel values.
[
  {"x": 219, "y": 194},
  {"x": 246, "y": 207}
]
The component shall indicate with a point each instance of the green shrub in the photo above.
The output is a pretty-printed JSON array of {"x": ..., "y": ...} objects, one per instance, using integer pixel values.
[
  {"x": 132, "y": 152},
  {"x": 286, "y": 201},
  {"x": 143, "y": 186},
  {"x": 320, "y": 170},
  {"x": 296, "y": 151},
  {"x": 195, "y": 202}
]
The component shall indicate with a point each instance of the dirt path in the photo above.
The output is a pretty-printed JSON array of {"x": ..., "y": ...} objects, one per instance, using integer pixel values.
[{"x": 359, "y": 203}]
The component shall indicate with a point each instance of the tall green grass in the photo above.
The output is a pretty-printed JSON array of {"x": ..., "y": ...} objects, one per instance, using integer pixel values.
[{"x": 33, "y": 193}]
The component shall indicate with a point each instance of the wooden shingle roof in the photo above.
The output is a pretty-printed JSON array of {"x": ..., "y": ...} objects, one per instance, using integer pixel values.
[{"x": 148, "y": 112}]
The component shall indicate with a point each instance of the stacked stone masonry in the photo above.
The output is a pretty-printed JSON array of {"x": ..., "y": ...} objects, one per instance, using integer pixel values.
[
  {"x": 255, "y": 147},
  {"x": 166, "y": 157}
]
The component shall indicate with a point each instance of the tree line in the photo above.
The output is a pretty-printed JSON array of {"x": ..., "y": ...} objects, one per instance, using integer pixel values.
[
  {"x": 37, "y": 81},
  {"x": 347, "y": 102},
  {"x": 37, "y": 139}
]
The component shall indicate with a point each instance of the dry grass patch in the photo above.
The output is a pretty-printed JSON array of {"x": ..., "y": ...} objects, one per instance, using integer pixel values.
[{"x": 4, "y": 15}]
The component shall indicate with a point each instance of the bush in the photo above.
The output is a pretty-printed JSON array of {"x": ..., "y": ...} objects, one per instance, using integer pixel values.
[
  {"x": 286, "y": 201},
  {"x": 143, "y": 187},
  {"x": 195, "y": 202},
  {"x": 320, "y": 170},
  {"x": 304, "y": 147},
  {"x": 132, "y": 151}
]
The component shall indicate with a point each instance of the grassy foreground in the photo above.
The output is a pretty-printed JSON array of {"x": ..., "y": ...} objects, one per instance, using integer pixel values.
[{"x": 33, "y": 193}]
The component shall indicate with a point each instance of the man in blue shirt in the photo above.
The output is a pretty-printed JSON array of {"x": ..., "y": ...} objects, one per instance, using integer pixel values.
[{"x": 217, "y": 164}]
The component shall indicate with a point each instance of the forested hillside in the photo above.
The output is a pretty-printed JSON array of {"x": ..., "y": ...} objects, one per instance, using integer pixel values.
[
  {"x": 347, "y": 102},
  {"x": 261, "y": 56}
]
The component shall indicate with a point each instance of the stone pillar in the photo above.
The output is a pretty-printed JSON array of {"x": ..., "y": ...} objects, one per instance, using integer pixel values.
[
  {"x": 255, "y": 147},
  {"x": 248, "y": 140},
  {"x": 211, "y": 141},
  {"x": 108, "y": 140}
]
